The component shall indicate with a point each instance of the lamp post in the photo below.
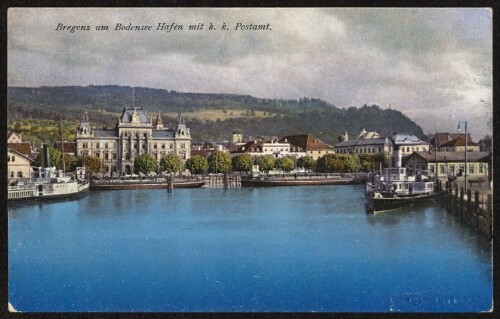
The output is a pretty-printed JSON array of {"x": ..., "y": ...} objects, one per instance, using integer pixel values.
[{"x": 465, "y": 170}]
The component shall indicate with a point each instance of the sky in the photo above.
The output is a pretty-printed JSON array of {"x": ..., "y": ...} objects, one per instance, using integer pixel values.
[{"x": 432, "y": 64}]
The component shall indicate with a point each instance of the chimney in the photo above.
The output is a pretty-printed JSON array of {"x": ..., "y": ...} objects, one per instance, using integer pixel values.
[{"x": 46, "y": 155}]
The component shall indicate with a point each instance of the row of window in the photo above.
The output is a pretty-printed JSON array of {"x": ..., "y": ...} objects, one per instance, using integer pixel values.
[
  {"x": 412, "y": 149},
  {"x": 107, "y": 145},
  {"x": 11, "y": 158},
  {"x": 97, "y": 145},
  {"x": 21, "y": 194},
  {"x": 358, "y": 150},
  {"x": 19, "y": 174},
  {"x": 451, "y": 168},
  {"x": 137, "y": 135}
]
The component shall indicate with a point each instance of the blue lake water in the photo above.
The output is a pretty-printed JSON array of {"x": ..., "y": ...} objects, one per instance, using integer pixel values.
[{"x": 297, "y": 249}]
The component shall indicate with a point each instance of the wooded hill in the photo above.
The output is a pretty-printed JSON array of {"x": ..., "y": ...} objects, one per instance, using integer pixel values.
[{"x": 254, "y": 116}]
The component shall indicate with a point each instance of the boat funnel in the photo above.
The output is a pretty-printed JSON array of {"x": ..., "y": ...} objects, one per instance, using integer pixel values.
[{"x": 46, "y": 155}]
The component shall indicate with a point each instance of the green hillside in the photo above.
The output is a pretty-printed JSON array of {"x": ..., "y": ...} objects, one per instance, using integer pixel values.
[{"x": 210, "y": 116}]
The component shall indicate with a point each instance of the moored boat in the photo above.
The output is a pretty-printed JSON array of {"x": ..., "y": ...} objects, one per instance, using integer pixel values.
[
  {"x": 122, "y": 184},
  {"x": 49, "y": 184},
  {"x": 300, "y": 181},
  {"x": 394, "y": 188}
]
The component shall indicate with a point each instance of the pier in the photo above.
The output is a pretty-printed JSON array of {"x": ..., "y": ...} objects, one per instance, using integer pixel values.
[
  {"x": 475, "y": 207},
  {"x": 222, "y": 180}
]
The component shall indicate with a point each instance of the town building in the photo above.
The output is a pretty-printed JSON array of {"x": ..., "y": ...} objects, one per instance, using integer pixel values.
[
  {"x": 18, "y": 164},
  {"x": 276, "y": 148},
  {"x": 307, "y": 145},
  {"x": 237, "y": 137},
  {"x": 449, "y": 163},
  {"x": 366, "y": 143},
  {"x": 404, "y": 145},
  {"x": 458, "y": 145},
  {"x": 134, "y": 134},
  {"x": 440, "y": 139},
  {"x": 13, "y": 137}
]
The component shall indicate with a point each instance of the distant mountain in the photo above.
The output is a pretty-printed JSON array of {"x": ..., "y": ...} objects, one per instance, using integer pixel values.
[{"x": 283, "y": 116}]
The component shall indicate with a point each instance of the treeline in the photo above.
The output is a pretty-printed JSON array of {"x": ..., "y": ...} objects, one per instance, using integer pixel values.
[
  {"x": 305, "y": 115},
  {"x": 112, "y": 98},
  {"x": 326, "y": 125}
]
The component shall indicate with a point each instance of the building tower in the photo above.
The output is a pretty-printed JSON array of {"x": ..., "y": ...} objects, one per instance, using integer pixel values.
[{"x": 84, "y": 129}]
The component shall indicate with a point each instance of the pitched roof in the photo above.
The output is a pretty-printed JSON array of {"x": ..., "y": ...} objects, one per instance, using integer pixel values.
[
  {"x": 402, "y": 138},
  {"x": 23, "y": 148},
  {"x": 126, "y": 116},
  {"x": 453, "y": 156},
  {"x": 19, "y": 153},
  {"x": 362, "y": 142},
  {"x": 443, "y": 138},
  {"x": 307, "y": 142},
  {"x": 458, "y": 141},
  {"x": 105, "y": 133}
]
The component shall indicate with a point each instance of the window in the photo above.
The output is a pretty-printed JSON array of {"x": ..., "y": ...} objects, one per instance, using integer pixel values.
[
  {"x": 8, "y": 158},
  {"x": 127, "y": 156},
  {"x": 171, "y": 145},
  {"x": 12, "y": 174},
  {"x": 471, "y": 169},
  {"x": 155, "y": 145},
  {"x": 143, "y": 146},
  {"x": 114, "y": 156},
  {"x": 441, "y": 169},
  {"x": 13, "y": 158},
  {"x": 106, "y": 156},
  {"x": 481, "y": 168},
  {"x": 431, "y": 168},
  {"x": 97, "y": 145},
  {"x": 97, "y": 154},
  {"x": 19, "y": 174},
  {"x": 135, "y": 145},
  {"x": 163, "y": 145},
  {"x": 106, "y": 145}
]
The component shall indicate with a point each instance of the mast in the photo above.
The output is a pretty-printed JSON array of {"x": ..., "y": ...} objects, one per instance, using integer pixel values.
[
  {"x": 435, "y": 155},
  {"x": 62, "y": 145}
]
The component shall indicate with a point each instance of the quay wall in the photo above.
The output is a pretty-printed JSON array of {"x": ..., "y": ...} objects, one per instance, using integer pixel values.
[{"x": 473, "y": 208}]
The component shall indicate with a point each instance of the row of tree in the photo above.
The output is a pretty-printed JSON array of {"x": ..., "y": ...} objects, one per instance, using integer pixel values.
[{"x": 220, "y": 162}]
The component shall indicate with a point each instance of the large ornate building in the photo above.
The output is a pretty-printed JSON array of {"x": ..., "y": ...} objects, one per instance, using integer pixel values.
[{"x": 134, "y": 134}]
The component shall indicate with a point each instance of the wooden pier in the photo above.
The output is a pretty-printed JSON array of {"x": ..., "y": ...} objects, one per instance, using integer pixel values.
[
  {"x": 222, "y": 181},
  {"x": 474, "y": 208}
]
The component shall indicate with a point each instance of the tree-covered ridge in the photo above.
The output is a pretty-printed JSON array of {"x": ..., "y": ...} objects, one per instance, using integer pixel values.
[
  {"x": 112, "y": 98},
  {"x": 282, "y": 117}
]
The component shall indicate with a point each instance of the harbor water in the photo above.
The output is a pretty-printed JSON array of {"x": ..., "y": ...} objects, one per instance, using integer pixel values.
[{"x": 299, "y": 249}]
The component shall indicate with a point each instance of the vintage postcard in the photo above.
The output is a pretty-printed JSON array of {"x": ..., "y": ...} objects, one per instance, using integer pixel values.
[{"x": 334, "y": 160}]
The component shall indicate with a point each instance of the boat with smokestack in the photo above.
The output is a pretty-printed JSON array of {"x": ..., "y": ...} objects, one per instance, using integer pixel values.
[
  {"x": 393, "y": 188},
  {"x": 47, "y": 183}
]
